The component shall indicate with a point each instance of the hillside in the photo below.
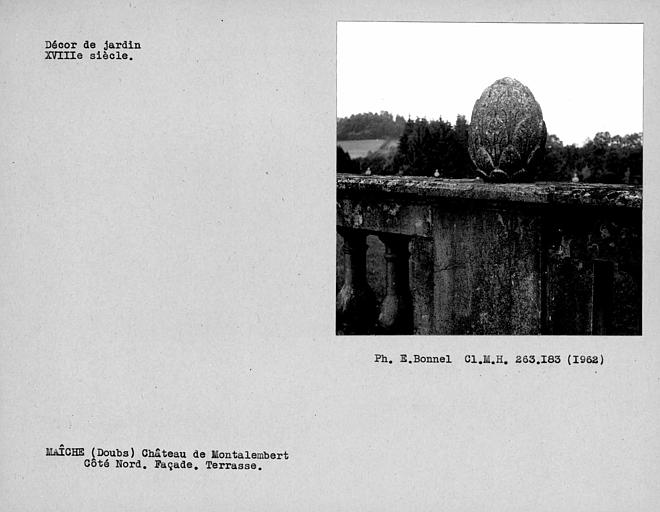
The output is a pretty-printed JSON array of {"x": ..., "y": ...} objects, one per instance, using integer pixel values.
[
  {"x": 361, "y": 148},
  {"x": 370, "y": 126}
]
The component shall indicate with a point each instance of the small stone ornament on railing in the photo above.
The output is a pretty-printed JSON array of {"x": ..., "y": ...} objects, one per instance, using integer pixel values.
[{"x": 507, "y": 134}]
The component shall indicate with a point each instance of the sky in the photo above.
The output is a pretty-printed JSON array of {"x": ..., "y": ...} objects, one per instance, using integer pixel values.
[{"x": 588, "y": 78}]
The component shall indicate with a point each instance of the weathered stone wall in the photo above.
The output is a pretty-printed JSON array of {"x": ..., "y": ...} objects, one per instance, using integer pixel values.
[{"x": 542, "y": 258}]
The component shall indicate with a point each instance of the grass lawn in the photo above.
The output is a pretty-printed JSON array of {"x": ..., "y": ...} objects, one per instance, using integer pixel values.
[{"x": 361, "y": 148}]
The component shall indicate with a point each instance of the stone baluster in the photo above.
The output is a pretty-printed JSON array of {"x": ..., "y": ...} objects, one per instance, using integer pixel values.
[
  {"x": 396, "y": 310},
  {"x": 356, "y": 303}
]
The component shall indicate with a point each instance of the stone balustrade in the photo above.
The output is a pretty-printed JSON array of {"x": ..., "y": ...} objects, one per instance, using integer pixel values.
[{"x": 466, "y": 257}]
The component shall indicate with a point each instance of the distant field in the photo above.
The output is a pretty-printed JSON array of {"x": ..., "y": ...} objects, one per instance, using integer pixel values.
[{"x": 360, "y": 148}]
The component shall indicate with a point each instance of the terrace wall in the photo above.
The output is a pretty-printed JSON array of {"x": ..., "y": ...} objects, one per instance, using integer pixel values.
[{"x": 466, "y": 257}]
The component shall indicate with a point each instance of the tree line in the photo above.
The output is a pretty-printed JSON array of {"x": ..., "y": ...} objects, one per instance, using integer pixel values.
[
  {"x": 427, "y": 148},
  {"x": 370, "y": 126},
  {"x": 604, "y": 159}
]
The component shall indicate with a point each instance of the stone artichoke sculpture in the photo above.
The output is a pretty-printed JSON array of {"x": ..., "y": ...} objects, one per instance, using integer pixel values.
[{"x": 507, "y": 134}]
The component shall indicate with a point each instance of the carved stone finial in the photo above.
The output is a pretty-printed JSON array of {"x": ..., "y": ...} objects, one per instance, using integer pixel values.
[{"x": 507, "y": 134}]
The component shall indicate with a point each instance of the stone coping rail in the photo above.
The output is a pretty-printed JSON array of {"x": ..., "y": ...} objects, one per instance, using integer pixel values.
[{"x": 540, "y": 193}]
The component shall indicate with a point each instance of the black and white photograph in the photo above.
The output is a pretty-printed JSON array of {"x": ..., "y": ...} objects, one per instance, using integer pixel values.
[{"x": 489, "y": 178}]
